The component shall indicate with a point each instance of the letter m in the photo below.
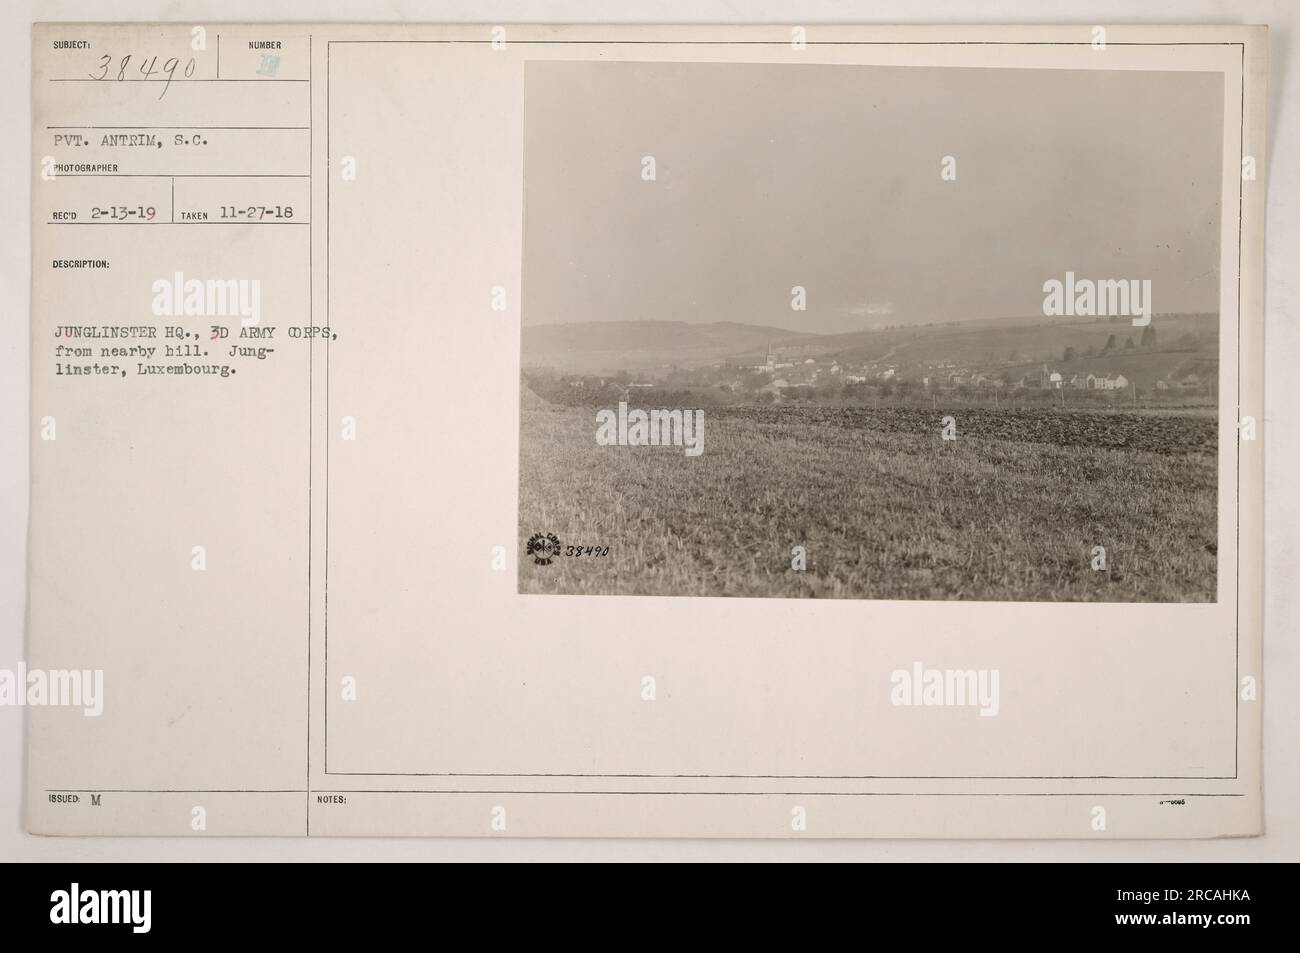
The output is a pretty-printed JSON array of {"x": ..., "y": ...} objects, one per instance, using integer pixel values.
[
  {"x": 1112, "y": 297},
  {"x": 65, "y": 686},
  {"x": 117, "y": 906},
  {"x": 665, "y": 428},
  {"x": 223, "y": 296},
  {"x": 963, "y": 686}
]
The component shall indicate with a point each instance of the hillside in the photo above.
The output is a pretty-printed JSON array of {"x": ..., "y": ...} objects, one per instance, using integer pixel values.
[
  {"x": 598, "y": 347},
  {"x": 648, "y": 346}
]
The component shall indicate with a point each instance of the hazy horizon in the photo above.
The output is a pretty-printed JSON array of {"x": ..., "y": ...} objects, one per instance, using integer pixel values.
[
  {"x": 785, "y": 329},
  {"x": 770, "y": 176}
]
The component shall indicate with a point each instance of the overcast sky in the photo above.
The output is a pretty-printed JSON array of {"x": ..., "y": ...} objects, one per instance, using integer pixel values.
[
  {"x": 828, "y": 177},
  {"x": 770, "y": 176}
]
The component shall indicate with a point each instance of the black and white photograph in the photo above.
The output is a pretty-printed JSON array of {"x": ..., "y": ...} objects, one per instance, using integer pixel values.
[{"x": 871, "y": 332}]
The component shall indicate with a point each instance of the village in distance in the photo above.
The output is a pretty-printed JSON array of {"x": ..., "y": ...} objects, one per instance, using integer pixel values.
[
  {"x": 1094, "y": 362},
  {"x": 1018, "y": 459}
]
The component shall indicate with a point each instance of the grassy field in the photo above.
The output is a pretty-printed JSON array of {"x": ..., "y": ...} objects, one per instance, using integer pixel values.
[{"x": 1010, "y": 510}]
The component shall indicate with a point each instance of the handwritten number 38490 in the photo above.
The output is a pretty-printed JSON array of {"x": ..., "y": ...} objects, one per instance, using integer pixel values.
[{"x": 148, "y": 69}]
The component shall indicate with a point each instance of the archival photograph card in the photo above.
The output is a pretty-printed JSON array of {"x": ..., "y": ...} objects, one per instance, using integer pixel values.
[{"x": 781, "y": 431}]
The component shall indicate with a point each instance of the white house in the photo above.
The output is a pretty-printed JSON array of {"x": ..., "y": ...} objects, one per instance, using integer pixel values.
[{"x": 1109, "y": 382}]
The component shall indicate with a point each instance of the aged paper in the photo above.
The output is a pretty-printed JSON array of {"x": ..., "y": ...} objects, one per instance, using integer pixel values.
[{"x": 645, "y": 431}]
